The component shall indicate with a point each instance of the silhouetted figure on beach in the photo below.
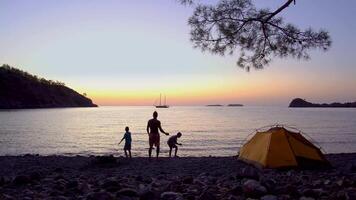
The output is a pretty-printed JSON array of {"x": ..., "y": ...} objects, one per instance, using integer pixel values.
[
  {"x": 128, "y": 140},
  {"x": 172, "y": 143},
  {"x": 153, "y": 126}
]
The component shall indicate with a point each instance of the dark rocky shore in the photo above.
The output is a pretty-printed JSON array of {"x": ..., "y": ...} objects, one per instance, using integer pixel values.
[
  {"x": 301, "y": 103},
  {"x": 21, "y": 90},
  {"x": 207, "y": 178}
]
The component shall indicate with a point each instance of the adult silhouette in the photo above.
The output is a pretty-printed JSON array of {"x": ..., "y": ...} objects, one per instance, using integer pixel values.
[{"x": 153, "y": 128}]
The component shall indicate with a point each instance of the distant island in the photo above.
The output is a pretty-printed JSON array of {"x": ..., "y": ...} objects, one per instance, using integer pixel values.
[
  {"x": 301, "y": 103},
  {"x": 19, "y": 89},
  {"x": 229, "y": 105},
  {"x": 235, "y": 105}
]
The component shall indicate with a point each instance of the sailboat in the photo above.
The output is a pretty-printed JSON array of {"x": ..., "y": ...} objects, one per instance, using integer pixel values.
[{"x": 160, "y": 102}]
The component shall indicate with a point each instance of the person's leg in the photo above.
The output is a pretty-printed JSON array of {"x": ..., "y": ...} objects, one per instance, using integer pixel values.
[
  {"x": 130, "y": 153},
  {"x": 125, "y": 153},
  {"x": 150, "y": 142},
  {"x": 157, "y": 151},
  {"x": 170, "y": 151},
  {"x": 176, "y": 150},
  {"x": 157, "y": 142},
  {"x": 150, "y": 151}
]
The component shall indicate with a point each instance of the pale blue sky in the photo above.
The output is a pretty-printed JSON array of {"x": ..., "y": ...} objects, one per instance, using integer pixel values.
[{"x": 142, "y": 46}]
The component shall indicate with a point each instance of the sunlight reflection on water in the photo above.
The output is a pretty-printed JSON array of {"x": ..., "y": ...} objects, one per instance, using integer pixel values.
[{"x": 216, "y": 131}]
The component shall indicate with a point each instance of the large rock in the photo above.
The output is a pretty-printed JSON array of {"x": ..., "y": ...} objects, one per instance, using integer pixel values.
[{"x": 253, "y": 188}]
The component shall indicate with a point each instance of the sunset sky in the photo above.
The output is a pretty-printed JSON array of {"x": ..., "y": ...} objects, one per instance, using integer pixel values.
[{"x": 127, "y": 52}]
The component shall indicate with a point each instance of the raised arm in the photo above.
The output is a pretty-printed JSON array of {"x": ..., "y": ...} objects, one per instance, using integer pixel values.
[{"x": 160, "y": 128}]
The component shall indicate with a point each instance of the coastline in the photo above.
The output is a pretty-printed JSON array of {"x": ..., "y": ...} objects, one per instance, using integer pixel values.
[{"x": 105, "y": 177}]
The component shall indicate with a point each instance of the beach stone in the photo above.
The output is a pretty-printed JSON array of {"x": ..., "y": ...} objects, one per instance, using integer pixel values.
[
  {"x": 248, "y": 172},
  {"x": 349, "y": 194},
  {"x": 111, "y": 185},
  {"x": 100, "y": 195},
  {"x": 287, "y": 189},
  {"x": 61, "y": 198},
  {"x": 253, "y": 188},
  {"x": 104, "y": 160},
  {"x": 327, "y": 182},
  {"x": 207, "y": 194},
  {"x": 188, "y": 196},
  {"x": 21, "y": 180},
  {"x": 128, "y": 192},
  {"x": 35, "y": 176},
  {"x": 269, "y": 183},
  {"x": 72, "y": 184},
  {"x": 58, "y": 170},
  {"x": 147, "y": 195},
  {"x": 353, "y": 168},
  {"x": 84, "y": 187},
  {"x": 2, "y": 181},
  {"x": 284, "y": 197},
  {"x": 306, "y": 198},
  {"x": 315, "y": 193},
  {"x": 269, "y": 197},
  {"x": 188, "y": 180},
  {"x": 6, "y": 197},
  {"x": 236, "y": 190},
  {"x": 171, "y": 196}
]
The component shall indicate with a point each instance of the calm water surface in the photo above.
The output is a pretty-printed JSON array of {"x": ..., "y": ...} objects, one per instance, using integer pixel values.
[{"x": 216, "y": 131}]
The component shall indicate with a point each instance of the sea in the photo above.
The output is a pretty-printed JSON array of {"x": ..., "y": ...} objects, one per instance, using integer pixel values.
[{"x": 207, "y": 131}]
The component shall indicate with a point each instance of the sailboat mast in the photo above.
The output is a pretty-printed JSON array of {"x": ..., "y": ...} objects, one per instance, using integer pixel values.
[
  {"x": 165, "y": 102},
  {"x": 160, "y": 99}
]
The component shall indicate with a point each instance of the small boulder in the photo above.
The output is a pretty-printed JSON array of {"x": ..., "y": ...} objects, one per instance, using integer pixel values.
[
  {"x": 236, "y": 190},
  {"x": 187, "y": 180},
  {"x": 104, "y": 160},
  {"x": 21, "y": 180},
  {"x": 6, "y": 197},
  {"x": 171, "y": 196},
  {"x": 111, "y": 185},
  {"x": 306, "y": 198},
  {"x": 2, "y": 181},
  {"x": 72, "y": 184},
  {"x": 269, "y": 197},
  {"x": 128, "y": 192},
  {"x": 58, "y": 170},
  {"x": 147, "y": 195},
  {"x": 248, "y": 172},
  {"x": 253, "y": 188},
  {"x": 35, "y": 176},
  {"x": 207, "y": 194},
  {"x": 100, "y": 195}
]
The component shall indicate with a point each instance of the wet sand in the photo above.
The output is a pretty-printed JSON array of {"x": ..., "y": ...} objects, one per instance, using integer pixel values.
[{"x": 61, "y": 177}]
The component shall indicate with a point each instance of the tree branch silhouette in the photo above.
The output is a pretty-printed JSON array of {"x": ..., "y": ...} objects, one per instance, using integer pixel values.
[{"x": 259, "y": 34}]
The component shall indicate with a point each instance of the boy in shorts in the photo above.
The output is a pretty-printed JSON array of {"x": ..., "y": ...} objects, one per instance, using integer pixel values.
[
  {"x": 172, "y": 143},
  {"x": 128, "y": 139}
]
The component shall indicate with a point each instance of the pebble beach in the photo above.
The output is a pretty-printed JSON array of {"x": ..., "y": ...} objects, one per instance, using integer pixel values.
[{"x": 192, "y": 178}]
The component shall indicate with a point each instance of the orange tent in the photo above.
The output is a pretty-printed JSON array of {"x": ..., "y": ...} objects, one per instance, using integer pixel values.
[{"x": 279, "y": 147}]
